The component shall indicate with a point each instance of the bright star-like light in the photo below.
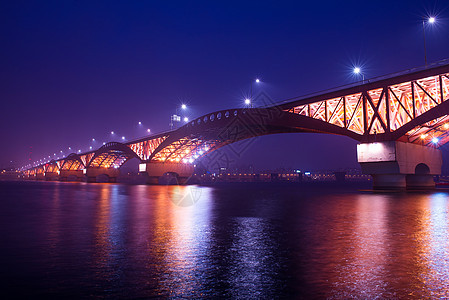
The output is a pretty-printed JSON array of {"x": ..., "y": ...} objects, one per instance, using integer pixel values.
[
  {"x": 357, "y": 70},
  {"x": 247, "y": 101},
  {"x": 257, "y": 80},
  {"x": 432, "y": 20},
  {"x": 435, "y": 140},
  {"x": 183, "y": 106}
]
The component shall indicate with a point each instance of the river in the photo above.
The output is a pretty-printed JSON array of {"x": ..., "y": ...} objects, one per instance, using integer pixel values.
[{"x": 263, "y": 241}]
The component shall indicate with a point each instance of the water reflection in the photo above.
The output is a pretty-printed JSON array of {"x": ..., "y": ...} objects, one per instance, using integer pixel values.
[
  {"x": 253, "y": 259},
  {"x": 433, "y": 252},
  {"x": 361, "y": 272},
  {"x": 111, "y": 240}
]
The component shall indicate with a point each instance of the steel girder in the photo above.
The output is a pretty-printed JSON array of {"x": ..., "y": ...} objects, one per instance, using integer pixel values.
[{"x": 382, "y": 109}]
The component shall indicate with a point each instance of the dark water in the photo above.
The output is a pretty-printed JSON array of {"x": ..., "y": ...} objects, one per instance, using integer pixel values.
[{"x": 76, "y": 240}]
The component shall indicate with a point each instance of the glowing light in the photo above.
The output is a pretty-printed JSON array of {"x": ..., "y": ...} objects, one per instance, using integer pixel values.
[
  {"x": 79, "y": 151},
  {"x": 446, "y": 126},
  {"x": 112, "y": 132},
  {"x": 183, "y": 106},
  {"x": 90, "y": 147},
  {"x": 186, "y": 119},
  {"x": 357, "y": 70},
  {"x": 191, "y": 160},
  {"x": 423, "y": 136},
  {"x": 93, "y": 140},
  {"x": 247, "y": 101},
  {"x": 123, "y": 137},
  {"x": 201, "y": 152},
  {"x": 257, "y": 80},
  {"x": 435, "y": 140},
  {"x": 140, "y": 123},
  {"x": 148, "y": 130},
  {"x": 432, "y": 20}
]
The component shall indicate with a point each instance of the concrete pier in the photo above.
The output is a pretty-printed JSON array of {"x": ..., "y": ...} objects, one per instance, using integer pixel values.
[
  {"x": 399, "y": 165},
  {"x": 174, "y": 173},
  {"x": 111, "y": 173},
  {"x": 66, "y": 175}
]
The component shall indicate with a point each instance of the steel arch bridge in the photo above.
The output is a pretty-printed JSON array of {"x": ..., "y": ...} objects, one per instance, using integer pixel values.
[{"x": 410, "y": 106}]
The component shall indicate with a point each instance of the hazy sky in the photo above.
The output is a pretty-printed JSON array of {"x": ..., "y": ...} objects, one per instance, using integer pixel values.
[{"x": 76, "y": 70}]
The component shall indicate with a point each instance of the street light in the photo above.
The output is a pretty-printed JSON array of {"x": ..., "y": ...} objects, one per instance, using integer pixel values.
[
  {"x": 250, "y": 102},
  {"x": 176, "y": 117},
  {"x": 358, "y": 71},
  {"x": 430, "y": 20}
]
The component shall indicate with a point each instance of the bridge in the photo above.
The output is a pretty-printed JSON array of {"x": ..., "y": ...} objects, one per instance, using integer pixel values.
[{"x": 399, "y": 121}]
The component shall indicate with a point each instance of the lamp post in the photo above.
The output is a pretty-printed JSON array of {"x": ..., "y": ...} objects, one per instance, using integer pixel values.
[
  {"x": 250, "y": 102},
  {"x": 358, "y": 71},
  {"x": 176, "y": 117},
  {"x": 430, "y": 20}
]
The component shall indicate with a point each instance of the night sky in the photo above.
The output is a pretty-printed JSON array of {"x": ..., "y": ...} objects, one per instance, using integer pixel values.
[{"x": 76, "y": 70}]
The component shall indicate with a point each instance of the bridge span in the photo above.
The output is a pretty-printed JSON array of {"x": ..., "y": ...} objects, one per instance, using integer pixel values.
[{"x": 399, "y": 121}]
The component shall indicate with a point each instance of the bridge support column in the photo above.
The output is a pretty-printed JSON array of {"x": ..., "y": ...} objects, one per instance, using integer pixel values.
[
  {"x": 178, "y": 173},
  {"x": 399, "y": 165},
  {"x": 92, "y": 173},
  {"x": 65, "y": 175},
  {"x": 51, "y": 176}
]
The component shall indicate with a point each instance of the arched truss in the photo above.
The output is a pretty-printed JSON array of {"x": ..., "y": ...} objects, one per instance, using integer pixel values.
[
  {"x": 72, "y": 162},
  {"x": 145, "y": 147},
  {"x": 111, "y": 155},
  {"x": 221, "y": 128},
  {"x": 51, "y": 167},
  {"x": 40, "y": 170},
  {"x": 383, "y": 109}
]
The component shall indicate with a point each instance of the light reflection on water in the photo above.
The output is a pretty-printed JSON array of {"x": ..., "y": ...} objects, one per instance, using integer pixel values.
[{"x": 110, "y": 240}]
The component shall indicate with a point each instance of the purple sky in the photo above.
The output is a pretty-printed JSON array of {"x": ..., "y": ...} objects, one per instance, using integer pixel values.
[{"x": 76, "y": 70}]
